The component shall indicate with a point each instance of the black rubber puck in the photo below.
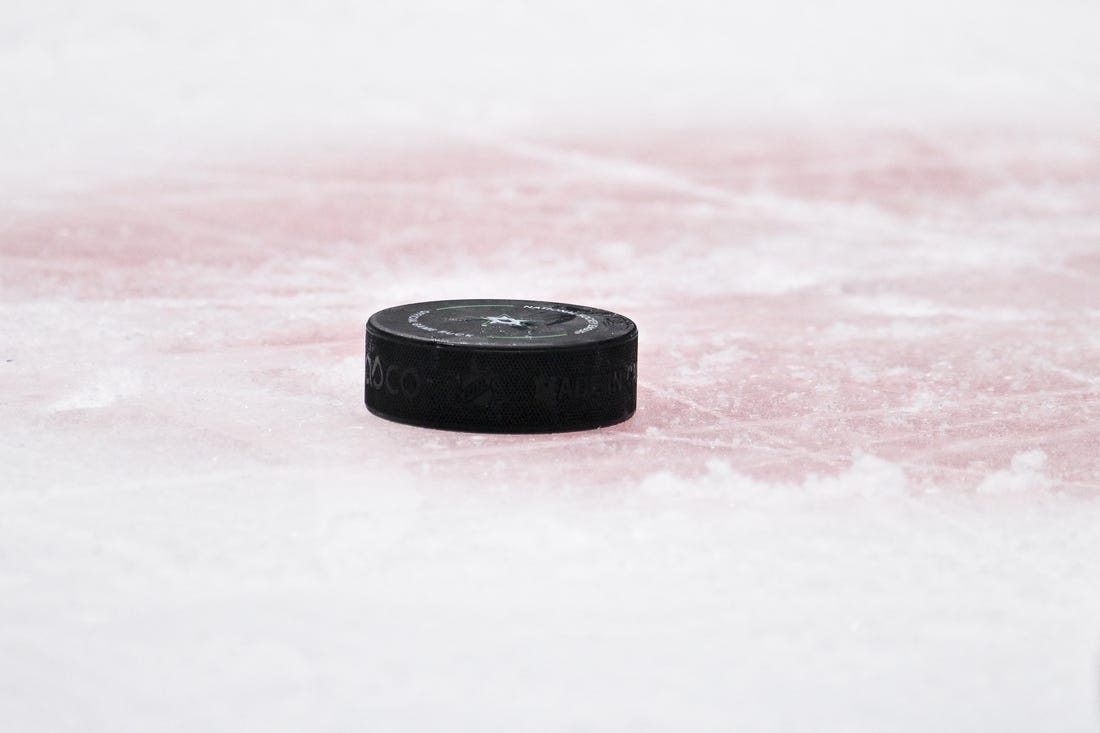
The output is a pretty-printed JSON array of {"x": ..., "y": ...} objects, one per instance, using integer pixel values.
[{"x": 502, "y": 366}]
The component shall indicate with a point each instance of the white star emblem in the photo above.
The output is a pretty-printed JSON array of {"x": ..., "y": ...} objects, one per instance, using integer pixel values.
[{"x": 502, "y": 321}]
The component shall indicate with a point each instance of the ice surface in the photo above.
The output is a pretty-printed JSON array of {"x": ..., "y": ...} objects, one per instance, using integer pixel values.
[{"x": 862, "y": 246}]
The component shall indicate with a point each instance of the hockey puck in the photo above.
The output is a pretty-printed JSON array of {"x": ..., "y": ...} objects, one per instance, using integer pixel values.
[{"x": 502, "y": 366}]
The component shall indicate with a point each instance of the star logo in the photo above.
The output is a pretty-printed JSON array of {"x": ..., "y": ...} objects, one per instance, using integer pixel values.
[{"x": 502, "y": 321}]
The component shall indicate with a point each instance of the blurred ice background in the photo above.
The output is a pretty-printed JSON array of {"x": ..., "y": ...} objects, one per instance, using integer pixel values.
[
  {"x": 867, "y": 502},
  {"x": 95, "y": 88}
]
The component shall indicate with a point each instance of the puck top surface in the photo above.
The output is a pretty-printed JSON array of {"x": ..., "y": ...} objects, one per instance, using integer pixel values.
[{"x": 502, "y": 324}]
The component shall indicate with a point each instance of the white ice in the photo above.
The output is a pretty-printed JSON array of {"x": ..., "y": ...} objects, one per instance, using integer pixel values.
[{"x": 195, "y": 538}]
